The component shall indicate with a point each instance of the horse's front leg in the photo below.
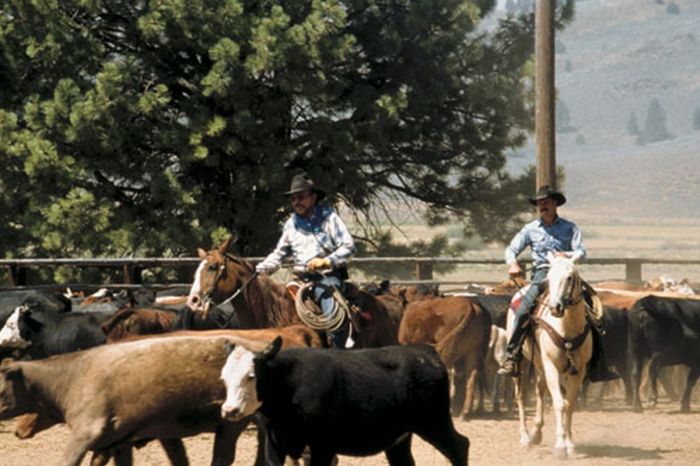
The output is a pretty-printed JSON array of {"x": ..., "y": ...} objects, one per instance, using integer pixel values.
[
  {"x": 553, "y": 378},
  {"x": 573, "y": 383},
  {"x": 520, "y": 391},
  {"x": 540, "y": 387}
]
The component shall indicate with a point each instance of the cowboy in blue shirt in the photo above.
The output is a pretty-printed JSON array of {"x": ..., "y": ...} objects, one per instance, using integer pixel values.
[
  {"x": 320, "y": 245},
  {"x": 549, "y": 233}
]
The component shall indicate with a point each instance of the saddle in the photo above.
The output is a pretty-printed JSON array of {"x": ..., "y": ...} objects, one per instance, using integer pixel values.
[{"x": 594, "y": 306}]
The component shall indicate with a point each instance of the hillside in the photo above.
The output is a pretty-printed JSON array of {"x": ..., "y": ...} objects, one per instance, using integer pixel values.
[{"x": 622, "y": 54}]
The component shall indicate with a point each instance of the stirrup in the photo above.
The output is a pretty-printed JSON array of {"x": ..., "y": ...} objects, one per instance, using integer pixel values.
[{"x": 510, "y": 367}]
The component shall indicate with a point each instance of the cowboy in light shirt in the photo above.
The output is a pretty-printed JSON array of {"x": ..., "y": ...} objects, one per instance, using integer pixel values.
[
  {"x": 548, "y": 234},
  {"x": 319, "y": 243}
]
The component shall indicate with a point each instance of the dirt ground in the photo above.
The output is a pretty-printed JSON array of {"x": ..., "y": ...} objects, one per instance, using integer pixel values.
[{"x": 607, "y": 436}]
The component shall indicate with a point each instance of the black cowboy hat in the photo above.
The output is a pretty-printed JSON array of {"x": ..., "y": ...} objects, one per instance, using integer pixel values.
[
  {"x": 301, "y": 183},
  {"x": 546, "y": 191}
]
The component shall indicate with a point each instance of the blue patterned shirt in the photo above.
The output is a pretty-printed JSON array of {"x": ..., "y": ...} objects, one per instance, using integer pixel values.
[
  {"x": 304, "y": 240},
  {"x": 561, "y": 236}
]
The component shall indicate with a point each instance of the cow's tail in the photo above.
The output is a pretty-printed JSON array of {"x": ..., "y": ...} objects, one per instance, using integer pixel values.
[{"x": 449, "y": 346}]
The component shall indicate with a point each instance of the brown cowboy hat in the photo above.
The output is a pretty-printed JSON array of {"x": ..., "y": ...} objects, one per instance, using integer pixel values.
[
  {"x": 301, "y": 183},
  {"x": 546, "y": 191}
]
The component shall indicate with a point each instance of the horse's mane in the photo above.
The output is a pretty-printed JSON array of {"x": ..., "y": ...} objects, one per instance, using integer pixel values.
[{"x": 265, "y": 295}]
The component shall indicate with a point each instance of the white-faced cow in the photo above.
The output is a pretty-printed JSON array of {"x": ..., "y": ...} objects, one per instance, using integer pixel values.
[{"x": 354, "y": 403}]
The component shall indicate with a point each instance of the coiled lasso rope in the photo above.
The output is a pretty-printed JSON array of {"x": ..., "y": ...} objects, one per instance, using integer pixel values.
[{"x": 309, "y": 313}]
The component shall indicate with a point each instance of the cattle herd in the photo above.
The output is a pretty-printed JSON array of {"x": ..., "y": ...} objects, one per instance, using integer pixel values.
[{"x": 123, "y": 369}]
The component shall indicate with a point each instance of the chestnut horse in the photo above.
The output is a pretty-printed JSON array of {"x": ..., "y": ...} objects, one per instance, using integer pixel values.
[{"x": 261, "y": 302}]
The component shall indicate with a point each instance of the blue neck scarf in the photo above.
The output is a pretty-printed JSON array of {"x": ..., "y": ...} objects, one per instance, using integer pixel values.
[{"x": 313, "y": 223}]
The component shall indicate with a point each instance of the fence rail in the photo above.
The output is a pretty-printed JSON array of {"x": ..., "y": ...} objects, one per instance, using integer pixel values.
[{"x": 423, "y": 266}]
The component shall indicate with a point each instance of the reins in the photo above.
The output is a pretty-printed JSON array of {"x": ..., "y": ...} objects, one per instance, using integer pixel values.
[
  {"x": 230, "y": 317},
  {"x": 567, "y": 344}
]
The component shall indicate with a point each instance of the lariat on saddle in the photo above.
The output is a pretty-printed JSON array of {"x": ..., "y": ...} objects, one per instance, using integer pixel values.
[{"x": 310, "y": 313}]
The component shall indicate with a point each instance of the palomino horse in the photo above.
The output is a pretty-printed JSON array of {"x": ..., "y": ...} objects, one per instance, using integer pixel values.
[
  {"x": 562, "y": 348},
  {"x": 260, "y": 302}
]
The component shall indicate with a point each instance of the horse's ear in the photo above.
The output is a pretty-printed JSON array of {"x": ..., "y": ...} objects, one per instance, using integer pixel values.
[
  {"x": 201, "y": 253},
  {"x": 224, "y": 247},
  {"x": 272, "y": 350}
]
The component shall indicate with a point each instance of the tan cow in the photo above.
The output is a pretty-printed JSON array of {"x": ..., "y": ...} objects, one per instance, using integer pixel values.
[
  {"x": 460, "y": 330},
  {"x": 121, "y": 394}
]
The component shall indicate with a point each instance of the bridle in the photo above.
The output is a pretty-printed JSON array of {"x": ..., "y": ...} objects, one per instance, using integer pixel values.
[
  {"x": 220, "y": 273},
  {"x": 567, "y": 299}
]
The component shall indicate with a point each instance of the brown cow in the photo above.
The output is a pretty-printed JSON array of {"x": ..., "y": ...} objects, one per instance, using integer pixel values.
[
  {"x": 459, "y": 329},
  {"x": 166, "y": 387},
  {"x": 620, "y": 301}
]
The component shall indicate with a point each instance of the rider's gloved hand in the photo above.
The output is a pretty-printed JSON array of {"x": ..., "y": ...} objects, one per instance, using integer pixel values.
[
  {"x": 318, "y": 263},
  {"x": 515, "y": 270}
]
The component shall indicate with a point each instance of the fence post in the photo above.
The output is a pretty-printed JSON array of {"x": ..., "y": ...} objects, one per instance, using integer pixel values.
[
  {"x": 17, "y": 275},
  {"x": 633, "y": 271},
  {"x": 424, "y": 270},
  {"x": 132, "y": 274}
]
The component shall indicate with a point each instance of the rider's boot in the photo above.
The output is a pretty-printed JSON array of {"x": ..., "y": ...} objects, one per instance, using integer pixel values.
[{"x": 511, "y": 365}]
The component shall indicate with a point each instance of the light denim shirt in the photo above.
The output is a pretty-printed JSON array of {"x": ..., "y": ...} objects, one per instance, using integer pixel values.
[
  {"x": 333, "y": 241},
  {"x": 561, "y": 236}
]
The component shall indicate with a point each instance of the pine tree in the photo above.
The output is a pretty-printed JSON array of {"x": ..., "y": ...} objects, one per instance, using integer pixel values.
[
  {"x": 149, "y": 128},
  {"x": 563, "y": 118},
  {"x": 655, "y": 125},
  {"x": 696, "y": 119},
  {"x": 673, "y": 9},
  {"x": 632, "y": 126}
]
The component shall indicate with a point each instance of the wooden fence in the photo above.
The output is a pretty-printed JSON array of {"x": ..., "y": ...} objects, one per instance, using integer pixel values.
[{"x": 422, "y": 266}]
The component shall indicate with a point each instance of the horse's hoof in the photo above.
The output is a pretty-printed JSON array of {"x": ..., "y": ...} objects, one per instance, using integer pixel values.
[
  {"x": 638, "y": 409},
  {"x": 571, "y": 451},
  {"x": 685, "y": 409},
  {"x": 560, "y": 453},
  {"x": 536, "y": 438},
  {"x": 525, "y": 441}
]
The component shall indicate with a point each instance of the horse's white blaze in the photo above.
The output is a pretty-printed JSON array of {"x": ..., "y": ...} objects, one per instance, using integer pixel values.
[
  {"x": 194, "y": 300},
  {"x": 560, "y": 278},
  {"x": 9, "y": 335},
  {"x": 238, "y": 375}
]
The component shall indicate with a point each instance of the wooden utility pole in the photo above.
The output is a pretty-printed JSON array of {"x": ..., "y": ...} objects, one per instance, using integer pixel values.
[{"x": 545, "y": 135}]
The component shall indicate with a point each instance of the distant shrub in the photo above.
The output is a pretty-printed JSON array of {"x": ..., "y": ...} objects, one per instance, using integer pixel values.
[
  {"x": 567, "y": 66},
  {"x": 673, "y": 9},
  {"x": 660, "y": 2},
  {"x": 580, "y": 140}
]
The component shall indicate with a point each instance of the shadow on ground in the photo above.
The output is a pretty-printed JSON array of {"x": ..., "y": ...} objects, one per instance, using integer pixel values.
[{"x": 623, "y": 453}]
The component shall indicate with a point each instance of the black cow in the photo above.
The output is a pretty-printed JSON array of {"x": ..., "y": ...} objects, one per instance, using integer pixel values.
[
  {"x": 354, "y": 403},
  {"x": 665, "y": 331},
  {"x": 496, "y": 306},
  {"x": 46, "y": 332},
  {"x": 615, "y": 346},
  {"x": 218, "y": 317}
]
